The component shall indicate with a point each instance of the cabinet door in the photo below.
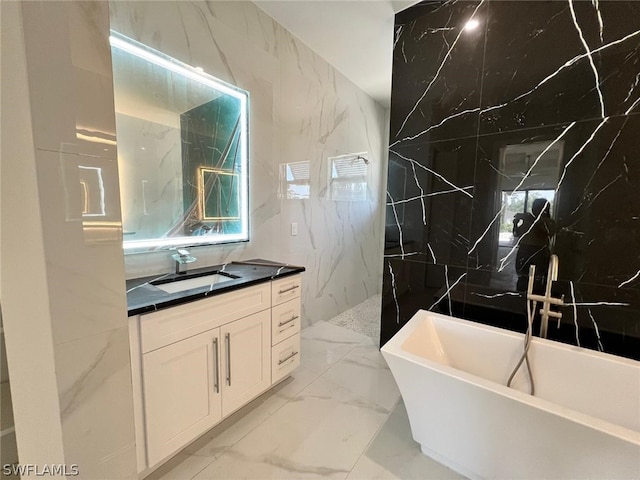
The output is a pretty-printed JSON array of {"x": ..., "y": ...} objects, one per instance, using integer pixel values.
[
  {"x": 181, "y": 393},
  {"x": 246, "y": 360}
]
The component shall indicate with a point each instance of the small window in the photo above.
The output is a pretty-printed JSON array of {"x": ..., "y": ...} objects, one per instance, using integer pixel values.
[
  {"x": 348, "y": 177},
  {"x": 295, "y": 180}
]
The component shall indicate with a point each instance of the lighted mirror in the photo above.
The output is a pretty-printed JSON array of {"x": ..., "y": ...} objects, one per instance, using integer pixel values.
[{"x": 182, "y": 151}]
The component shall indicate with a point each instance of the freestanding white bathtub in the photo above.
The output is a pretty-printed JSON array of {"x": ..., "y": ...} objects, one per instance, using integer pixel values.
[{"x": 583, "y": 422}]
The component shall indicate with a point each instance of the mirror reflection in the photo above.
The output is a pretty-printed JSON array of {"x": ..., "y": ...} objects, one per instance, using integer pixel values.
[
  {"x": 527, "y": 182},
  {"x": 91, "y": 191},
  {"x": 182, "y": 151}
]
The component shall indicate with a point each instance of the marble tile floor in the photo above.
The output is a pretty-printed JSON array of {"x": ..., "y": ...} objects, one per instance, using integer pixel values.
[{"x": 339, "y": 416}]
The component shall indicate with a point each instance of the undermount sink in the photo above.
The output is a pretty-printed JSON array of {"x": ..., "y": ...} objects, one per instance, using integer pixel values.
[{"x": 182, "y": 284}]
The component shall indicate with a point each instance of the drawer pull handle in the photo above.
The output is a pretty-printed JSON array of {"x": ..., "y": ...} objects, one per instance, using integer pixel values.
[
  {"x": 216, "y": 378},
  {"x": 287, "y": 359},
  {"x": 288, "y": 289},
  {"x": 286, "y": 328},
  {"x": 227, "y": 339},
  {"x": 282, "y": 324}
]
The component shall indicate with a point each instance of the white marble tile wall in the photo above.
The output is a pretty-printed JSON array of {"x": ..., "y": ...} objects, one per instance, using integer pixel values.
[
  {"x": 77, "y": 315},
  {"x": 302, "y": 110},
  {"x": 26, "y": 326},
  {"x": 96, "y": 404}
]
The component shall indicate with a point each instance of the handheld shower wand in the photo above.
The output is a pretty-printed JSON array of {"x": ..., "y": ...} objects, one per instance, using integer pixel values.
[{"x": 527, "y": 336}]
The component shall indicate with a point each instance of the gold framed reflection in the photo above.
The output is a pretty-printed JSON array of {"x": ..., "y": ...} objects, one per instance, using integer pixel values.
[{"x": 218, "y": 183}]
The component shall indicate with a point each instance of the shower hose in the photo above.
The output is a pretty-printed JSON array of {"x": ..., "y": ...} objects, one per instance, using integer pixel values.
[{"x": 527, "y": 337}]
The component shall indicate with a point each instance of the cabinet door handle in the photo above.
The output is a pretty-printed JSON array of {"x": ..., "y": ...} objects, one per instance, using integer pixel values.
[
  {"x": 282, "y": 324},
  {"x": 288, "y": 358},
  {"x": 288, "y": 289},
  {"x": 227, "y": 339},
  {"x": 216, "y": 373}
]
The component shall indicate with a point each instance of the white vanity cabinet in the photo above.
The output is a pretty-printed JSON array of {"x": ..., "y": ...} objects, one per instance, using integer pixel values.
[
  {"x": 285, "y": 326},
  {"x": 196, "y": 363}
]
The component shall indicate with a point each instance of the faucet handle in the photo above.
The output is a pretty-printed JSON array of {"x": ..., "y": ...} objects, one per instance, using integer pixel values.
[
  {"x": 183, "y": 257},
  {"x": 560, "y": 317}
]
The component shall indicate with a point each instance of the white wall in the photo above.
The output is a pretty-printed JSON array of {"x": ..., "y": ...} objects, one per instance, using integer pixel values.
[
  {"x": 63, "y": 298},
  {"x": 302, "y": 109}
]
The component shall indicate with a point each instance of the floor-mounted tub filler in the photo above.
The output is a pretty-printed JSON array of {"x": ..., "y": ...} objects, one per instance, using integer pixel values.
[{"x": 583, "y": 422}]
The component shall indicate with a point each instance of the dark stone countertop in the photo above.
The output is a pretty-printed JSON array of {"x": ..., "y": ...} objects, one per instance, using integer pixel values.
[{"x": 143, "y": 297}]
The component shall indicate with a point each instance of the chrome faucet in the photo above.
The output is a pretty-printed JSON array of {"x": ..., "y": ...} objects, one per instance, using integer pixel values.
[
  {"x": 182, "y": 257},
  {"x": 547, "y": 300}
]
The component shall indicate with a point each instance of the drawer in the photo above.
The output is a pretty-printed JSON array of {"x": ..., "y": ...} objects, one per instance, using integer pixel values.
[
  {"x": 285, "y": 289},
  {"x": 173, "y": 324},
  {"x": 285, "y": 320},
  {"x": 285, "y": 358}
]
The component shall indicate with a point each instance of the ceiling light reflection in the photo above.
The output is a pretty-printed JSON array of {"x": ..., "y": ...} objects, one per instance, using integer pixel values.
[{"x": 471, "y": 25}]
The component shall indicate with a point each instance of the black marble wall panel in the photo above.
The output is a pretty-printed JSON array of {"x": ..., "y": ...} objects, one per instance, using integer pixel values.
[
  {"x": 439, "y": 72},
  {"x": 430, "y": 223},
  {"x": 410, "y": 286},
  {"x": 558, "y": 61},
  {"x": 539, "y": 99}
]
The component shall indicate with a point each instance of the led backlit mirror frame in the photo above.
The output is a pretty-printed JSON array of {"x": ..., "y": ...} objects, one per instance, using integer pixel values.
[{"x": 232, "y": 184}]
